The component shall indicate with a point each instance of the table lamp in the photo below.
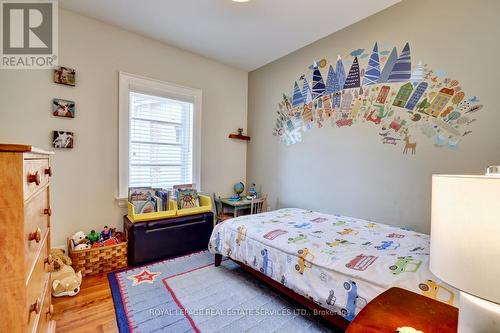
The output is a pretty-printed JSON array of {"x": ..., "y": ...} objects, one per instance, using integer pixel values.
[{"x": 465, "y": 245}]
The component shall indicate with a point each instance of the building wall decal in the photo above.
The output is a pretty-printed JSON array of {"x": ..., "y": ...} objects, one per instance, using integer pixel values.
[{"x": 403, "y": 101}]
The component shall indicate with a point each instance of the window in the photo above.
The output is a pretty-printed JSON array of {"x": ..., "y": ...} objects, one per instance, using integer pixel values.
[{"x": 159, "y": 134}]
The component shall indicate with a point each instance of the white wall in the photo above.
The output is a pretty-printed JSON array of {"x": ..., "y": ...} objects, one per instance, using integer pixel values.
[
  {"x": 348, "y": 170},
  {"x": 85, "y": 178}
]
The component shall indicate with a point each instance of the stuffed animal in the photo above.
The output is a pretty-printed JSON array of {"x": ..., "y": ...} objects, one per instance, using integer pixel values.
[
  {"x": 82, "y": 246},
  {"x": 96, "y": 245},
  {"x": 65, "y": 282},
  {"x": 120, "y": 237},
  {"x": 106, "y": 233},
  {"x": 79, "y": 238},
  {"x": 93, "y": 237},
  {"x": 110, "y": 241},
  {"x": 59, "y": 259}
]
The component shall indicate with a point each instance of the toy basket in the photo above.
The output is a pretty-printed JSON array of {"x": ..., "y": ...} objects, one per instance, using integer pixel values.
[{"x": 99, "y": 260}]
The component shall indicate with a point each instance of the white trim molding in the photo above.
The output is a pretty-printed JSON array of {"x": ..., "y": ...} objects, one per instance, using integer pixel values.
[{"x": 128, "y": 82}]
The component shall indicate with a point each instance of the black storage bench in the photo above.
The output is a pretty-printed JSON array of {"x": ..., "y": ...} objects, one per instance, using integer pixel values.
[{"x": 166, "y": 238}]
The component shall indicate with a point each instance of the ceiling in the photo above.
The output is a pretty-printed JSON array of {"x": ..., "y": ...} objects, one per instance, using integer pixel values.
[{"x": 245, "y": 35}]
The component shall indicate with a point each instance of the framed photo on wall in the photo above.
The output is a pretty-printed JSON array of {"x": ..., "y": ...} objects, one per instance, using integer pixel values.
[
  {"x": 63, "y": 108},
  {"x": 65, "y": 75},
  {"x": 63, "y": 139}
]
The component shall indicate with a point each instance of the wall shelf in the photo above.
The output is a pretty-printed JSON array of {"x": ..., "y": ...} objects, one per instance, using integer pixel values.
[{"x": 239, "y": 137}]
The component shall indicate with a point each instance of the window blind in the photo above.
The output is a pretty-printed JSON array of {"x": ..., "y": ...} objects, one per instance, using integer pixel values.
[{"x": 160, "y": 141}]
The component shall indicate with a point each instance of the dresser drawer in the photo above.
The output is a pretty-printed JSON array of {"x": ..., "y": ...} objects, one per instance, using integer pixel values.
[
  {"x": 35, "y": 287},
  {"x": 36, "y": 175},
  {"x": 36, "y": 223},
  {"x": 45, "y": 323}
]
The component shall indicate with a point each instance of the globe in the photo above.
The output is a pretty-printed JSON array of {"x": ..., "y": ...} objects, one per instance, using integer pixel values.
[{"x": 239, "y": 188}]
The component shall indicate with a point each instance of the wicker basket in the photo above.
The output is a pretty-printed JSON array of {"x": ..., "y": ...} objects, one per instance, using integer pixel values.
[{"x": 100, "y": 259}]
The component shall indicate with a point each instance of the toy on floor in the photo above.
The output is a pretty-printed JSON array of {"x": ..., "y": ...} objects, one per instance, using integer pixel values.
[
  {"x": 93, "y": 237},
  {"x": 65, "y": 282},
  {"x": 106, "y": 233},
  {"x": 59, "y": 259},
  {"x": 79, "y": 241}
]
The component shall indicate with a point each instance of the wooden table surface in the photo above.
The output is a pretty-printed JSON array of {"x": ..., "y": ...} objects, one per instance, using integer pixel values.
[{"x": 397, "y": 307}]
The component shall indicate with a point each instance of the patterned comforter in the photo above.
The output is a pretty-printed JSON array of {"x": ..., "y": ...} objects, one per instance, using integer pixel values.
[{"x": 341, "y": 263}]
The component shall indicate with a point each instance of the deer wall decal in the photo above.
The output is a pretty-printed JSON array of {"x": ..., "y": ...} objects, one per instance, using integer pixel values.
[{"x": 409, "y": 145}]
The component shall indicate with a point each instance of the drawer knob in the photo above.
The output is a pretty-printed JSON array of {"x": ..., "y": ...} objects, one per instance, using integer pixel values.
[
  {"x": 34, "y": 178},
  {"x": 48, "y": 171},
  {"x": 49, "y": 260},
  {"x": 50, "y": 311},
  {"x": 47, "y": 211},
  {"x": 36, "y": 306},
  {"x": 35, "y": 236}
]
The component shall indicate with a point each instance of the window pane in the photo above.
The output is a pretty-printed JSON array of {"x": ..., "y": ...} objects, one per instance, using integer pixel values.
[
  {"x": 165, "y": 176},
  {"x": 148, "y": 131},
  {"x": 161, "y": 140},
  {"x": 146, "y": 154},
  {"x": 156, "y": 108}
]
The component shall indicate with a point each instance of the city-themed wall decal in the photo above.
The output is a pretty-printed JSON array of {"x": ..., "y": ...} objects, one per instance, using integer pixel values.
[{"x": 387, "y": 92}]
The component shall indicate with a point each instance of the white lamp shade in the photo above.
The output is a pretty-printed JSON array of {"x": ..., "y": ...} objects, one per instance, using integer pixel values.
[{"x": 465, "y": 233}]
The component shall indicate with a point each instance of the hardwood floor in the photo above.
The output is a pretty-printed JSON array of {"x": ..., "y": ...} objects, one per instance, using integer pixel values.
[{"x": 92, "y": 310}]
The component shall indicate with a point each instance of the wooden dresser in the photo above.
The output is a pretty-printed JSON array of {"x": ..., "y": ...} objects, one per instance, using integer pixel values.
[{"x": 25, "y": 240}]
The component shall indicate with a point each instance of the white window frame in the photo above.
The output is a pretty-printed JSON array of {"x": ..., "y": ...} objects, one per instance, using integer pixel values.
[{"x": 128, "y": 82}]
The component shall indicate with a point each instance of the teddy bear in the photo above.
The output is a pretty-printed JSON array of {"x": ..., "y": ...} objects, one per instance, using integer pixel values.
[
  {"x": 79, "y": 241},
  {"x": 65, "y": 282},
  {"x": 59, "y": 259}
]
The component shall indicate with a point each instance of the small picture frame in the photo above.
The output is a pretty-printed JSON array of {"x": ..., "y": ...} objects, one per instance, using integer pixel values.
[
  {"x": 65, "y": 75},
  {"x": 63, "y": 139},
  {"x": 63, "y": 108}
]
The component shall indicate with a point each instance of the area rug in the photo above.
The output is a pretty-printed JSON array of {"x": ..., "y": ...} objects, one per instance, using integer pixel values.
[{"x": 189, "y": 294}]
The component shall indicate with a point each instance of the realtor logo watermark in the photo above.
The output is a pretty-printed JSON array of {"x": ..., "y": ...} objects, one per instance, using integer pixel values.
[{"x": 28, "y": 34}]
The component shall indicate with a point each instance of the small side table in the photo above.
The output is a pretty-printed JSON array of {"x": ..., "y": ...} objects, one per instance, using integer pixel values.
[{"x": 398, "y": 307}]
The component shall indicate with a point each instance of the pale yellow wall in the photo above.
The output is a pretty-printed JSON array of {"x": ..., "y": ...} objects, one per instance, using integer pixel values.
[
  {"x": 348, "y": 170},
  {"x": 85, "y": 178}
]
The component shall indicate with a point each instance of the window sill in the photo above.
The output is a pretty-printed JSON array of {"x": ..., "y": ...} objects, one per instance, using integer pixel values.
[{"x": 121, "y": 202}]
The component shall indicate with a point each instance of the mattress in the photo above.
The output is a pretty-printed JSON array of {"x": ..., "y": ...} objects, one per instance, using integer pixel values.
[{"x": 339, "y": 262}]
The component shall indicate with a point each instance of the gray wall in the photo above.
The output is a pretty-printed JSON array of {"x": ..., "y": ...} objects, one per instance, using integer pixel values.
[{"x": 348, "y": 170}]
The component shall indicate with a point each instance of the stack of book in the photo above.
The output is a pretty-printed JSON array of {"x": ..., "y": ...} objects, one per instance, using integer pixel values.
[{"x": 148, "y": 199}]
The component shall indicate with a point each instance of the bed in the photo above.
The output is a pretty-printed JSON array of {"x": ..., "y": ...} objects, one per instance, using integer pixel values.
[{"x": 333, "y": 262}]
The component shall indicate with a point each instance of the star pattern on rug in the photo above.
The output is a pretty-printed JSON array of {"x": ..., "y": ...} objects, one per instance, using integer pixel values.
[{"x": 142, "y": 277}]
